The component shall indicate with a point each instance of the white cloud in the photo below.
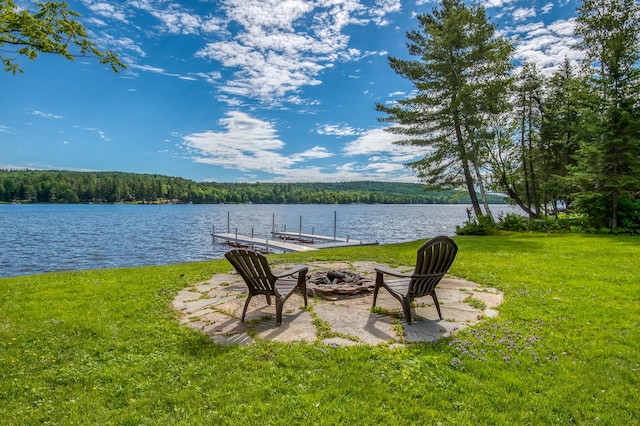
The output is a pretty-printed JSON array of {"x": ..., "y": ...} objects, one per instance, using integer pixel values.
[
  {"x": 122, "y": 44},
  {"x": 281, "y": 46},
  {"x": 274, "y": 48},
  {"x": 547, "y": 46},
  {"x": 546, "y": 8},
  {"x": 149, "y": 68},
  {"x": 521, "y": 14},
  {"x": 210, "y": 77},
  {"x": 313, "y": 153},
  {"x": 338, "y": 130},
  {"x": 178, "y": 22},
  {"x": 45, "y": 114},
  {"x": 495, "y": 3},
  {"x": 384, "y": 7},
  {"x": 106, "y": 10},
  {"x": 175, "y": 19},
  {"x": 100, "y": 133},
  {"x": 563, "y": 28},
  {"x": 247, "y": 144},
  {"x": 379, "y": 144},
  {"x": 253, "y": 146}
]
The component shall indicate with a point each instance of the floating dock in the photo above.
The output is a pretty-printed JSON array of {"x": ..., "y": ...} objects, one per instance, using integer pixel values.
[
  {"x": 294, "y": 242},
  {"x": 284, "y": 241},
  {"x": 263, "y": 244}
]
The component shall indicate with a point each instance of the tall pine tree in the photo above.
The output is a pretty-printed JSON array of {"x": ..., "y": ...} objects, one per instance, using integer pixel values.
[
  {"x": 461, "y": 71},
  {"x": 559, "y": 134}
]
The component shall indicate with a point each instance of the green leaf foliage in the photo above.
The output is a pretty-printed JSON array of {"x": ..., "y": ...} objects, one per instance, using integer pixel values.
[{"x": 52, "y": 28}]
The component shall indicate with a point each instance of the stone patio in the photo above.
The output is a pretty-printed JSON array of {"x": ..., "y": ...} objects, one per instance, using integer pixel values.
[{"x": 214, "y": 307}]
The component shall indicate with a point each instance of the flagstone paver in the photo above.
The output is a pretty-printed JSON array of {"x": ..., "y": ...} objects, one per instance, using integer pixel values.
[{"x": 214, "y": 307}]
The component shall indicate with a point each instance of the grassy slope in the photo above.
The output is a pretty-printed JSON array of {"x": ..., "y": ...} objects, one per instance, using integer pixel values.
[{"x": 104, "y": 347}]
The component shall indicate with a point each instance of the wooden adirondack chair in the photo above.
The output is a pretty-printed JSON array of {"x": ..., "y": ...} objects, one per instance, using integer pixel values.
[
  {"x": 256, "y": 272},
  {"x": 434, "y": 259}
]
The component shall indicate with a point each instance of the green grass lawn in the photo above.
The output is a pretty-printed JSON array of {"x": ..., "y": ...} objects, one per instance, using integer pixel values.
[{"x": 104, "y": 347}]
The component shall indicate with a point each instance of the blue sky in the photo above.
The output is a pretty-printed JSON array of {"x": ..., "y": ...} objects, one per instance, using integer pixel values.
[{"x": 240, "y": 90}]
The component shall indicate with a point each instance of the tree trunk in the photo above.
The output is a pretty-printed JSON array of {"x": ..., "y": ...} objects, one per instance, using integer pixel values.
[
  {"x": 483, "y": 192},
  {"x": 614, "y": 210},
  {"x": 532, "y": 174},
  {"x": 465, "y": 167},
  {"x": 513, "y": 194}
]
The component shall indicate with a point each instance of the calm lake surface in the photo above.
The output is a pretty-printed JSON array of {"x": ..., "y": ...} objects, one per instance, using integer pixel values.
[{"x": 43, "y": 237}]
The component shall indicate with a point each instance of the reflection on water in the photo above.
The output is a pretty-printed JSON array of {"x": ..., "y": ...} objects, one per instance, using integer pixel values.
[{"x": 41, "y": 238}]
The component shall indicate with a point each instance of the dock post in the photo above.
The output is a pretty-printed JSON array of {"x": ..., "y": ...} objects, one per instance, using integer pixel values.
[
  {"x": 213, "y": 233},
  {"x": 228, "y": 219},
  {"x": 335, "y": 215},
  {"x": 236, "y": 237},
  {"x": 273, "y": 222},
  {"x": 300, "y": 235}
]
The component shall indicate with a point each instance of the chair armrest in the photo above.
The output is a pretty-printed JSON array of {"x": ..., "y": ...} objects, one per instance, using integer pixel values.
[
  {"x": 292, "y": 271},
  {"x": 392, "y": 273}
]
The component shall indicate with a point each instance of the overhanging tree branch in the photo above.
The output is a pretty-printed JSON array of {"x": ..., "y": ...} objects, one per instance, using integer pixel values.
[{"x": 51, "y": 29}]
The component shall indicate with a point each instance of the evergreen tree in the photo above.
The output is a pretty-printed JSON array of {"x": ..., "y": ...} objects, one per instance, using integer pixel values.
[
  {"x": 559, "y": 134},
  {"x": 608, "y": 169},
  {"x": 528, "y": 103},
  {"x": 462, "y": 62}
]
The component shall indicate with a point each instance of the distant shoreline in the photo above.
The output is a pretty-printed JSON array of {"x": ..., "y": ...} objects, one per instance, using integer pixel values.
[{"x": 69, "y": 187}]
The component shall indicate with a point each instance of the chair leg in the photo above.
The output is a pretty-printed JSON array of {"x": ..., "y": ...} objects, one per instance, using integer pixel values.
[
  {"x": 268, "y": 299},
  {"x": 435, "y": 300},
  {"x": 302, "y": 284},
  {"x": 279, "y": 306},
  {"x": 246, "y": 305},
  {"x": 375, "y": 294},
  {"x": 406, "y": 307},
  {"x": 379, "y": 281}
]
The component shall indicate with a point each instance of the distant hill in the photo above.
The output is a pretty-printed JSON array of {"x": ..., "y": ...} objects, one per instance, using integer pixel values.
[{"x": 61, "y": 186}]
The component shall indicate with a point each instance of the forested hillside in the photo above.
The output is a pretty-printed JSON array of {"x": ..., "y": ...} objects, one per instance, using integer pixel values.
[{"x": 34, "y": 186}]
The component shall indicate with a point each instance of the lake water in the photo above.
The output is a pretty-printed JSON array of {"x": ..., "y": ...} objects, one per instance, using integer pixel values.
[{"x": 47, "y": 237}]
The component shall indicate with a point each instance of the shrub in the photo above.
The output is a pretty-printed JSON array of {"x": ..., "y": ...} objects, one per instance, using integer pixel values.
[
  {"x": 629, "y": 216},
  {"x": 482, "y": 225},
  {"x": 512, "y": 222}
]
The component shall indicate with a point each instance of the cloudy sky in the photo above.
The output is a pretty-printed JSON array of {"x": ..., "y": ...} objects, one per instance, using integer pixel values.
[{"x": 239, "y": 90}]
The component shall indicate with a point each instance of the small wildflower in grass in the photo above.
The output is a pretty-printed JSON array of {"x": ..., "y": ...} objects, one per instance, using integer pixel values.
[
  {"x": 501, "y": 342},
  {"x": 475, "y": 303}
]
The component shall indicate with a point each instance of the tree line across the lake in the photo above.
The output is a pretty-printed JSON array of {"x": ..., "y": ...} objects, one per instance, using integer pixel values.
[{"x": 36, "y": 186}]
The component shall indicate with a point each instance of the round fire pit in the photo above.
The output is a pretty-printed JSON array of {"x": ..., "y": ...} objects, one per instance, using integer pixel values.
[{"x": 333, "y": 283}]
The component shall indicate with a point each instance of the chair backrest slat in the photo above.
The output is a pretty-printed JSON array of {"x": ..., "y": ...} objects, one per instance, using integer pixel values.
[
  {"x": 254, "y": 269},
  {"x": 433, "y": 261}
]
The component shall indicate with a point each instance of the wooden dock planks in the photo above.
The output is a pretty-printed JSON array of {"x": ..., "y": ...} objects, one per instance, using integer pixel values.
[
  {"x": 297, "y": 236},
  {"x": 236, "y": 239},
  {"x": 305, "y": 242}
]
